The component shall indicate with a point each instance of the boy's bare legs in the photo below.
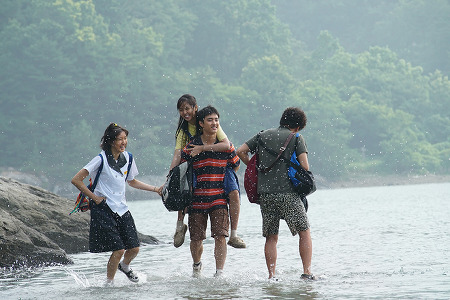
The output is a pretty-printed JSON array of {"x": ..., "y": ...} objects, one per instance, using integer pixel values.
[
  {"x": 235, "y": 207},
  {"x": 220, "y": 253},
  {"x": 196, "y": 253},
  {"x": 270, "y": 252},
  {"x": 305, "y": 249}
]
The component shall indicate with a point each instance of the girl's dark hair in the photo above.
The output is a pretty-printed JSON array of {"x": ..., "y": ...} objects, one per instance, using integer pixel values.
[
  {"x": 202, "y": 114},
  {"x": 293, "y": 117},
  {"x": 182, "y": 124},
  {"x": 111, "y": 133}
]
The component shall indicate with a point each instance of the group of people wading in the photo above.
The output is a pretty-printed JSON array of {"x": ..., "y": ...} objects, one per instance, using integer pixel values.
[{"x": 216, "y": 196}]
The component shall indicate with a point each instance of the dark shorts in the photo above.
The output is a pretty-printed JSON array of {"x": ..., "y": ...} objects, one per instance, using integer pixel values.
[
  {"x": 219, "y": 224},
  {"x": 109, "y": 231},
  {"x": 287, "y": 206},
  {"x": 231, "y": 181}
]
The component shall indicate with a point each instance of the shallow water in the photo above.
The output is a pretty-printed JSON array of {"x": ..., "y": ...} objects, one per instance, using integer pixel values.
[{"x": 378, "y": 242}]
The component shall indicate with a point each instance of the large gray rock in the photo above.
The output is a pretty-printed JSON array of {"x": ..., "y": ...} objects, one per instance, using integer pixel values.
[{"x": 36, "y": 229}]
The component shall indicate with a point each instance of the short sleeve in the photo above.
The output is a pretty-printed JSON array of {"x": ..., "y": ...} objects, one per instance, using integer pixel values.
[
  {"x": 133, "y": 171},
  {"x": 181, "y": 137},
  {"x": 252, "y": 143},
  {"x": 301, "y": 145},
  {"x": 93, "y": 165}
]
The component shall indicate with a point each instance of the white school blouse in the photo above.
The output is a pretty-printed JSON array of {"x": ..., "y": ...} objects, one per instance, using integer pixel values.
[{"x": 111, "y": 184}]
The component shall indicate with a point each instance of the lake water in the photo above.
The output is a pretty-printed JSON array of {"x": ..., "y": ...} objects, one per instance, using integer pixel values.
[{"x": 377, "y": 243}]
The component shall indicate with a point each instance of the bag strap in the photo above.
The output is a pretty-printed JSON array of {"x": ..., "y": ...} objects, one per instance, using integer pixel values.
[
  {"x": 100, "y": 168},
  {"x": 186, "y": 131},
  {"x": 289, "y": 138},
  {"x": 288, "y": 160},
  {"x": 129, "y": 165}
]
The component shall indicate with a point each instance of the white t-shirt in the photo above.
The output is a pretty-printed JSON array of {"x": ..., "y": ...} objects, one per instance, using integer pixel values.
[{"x": 111, "y": 184}]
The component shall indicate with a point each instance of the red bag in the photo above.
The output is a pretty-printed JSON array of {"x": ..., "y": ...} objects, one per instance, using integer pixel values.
[{"x": 251, "y": 179}]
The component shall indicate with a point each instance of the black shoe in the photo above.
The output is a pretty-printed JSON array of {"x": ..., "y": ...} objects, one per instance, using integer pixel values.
[
  {"x": 308, "y": 277},
  {"x": 130, "y": 274}
]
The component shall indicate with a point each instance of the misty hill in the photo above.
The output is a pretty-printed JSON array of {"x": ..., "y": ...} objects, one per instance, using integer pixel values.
[{"x": 371, "y": 78}]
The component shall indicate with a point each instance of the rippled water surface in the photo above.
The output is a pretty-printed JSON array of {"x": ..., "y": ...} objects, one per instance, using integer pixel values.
[{"x": 378, "y": 242}]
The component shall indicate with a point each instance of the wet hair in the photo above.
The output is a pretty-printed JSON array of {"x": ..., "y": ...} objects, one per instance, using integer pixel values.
[
  {"x": 293, "y": 117},
  {"x": 111, "y": 133},
  {"x": 202, "y": 114},
  {"x": 182, "y": 124}
]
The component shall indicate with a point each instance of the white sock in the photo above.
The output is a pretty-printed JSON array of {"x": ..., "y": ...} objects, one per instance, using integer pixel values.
[
  {"x": 233, "y": 233},
  {"x": 219, "y": 272},
  {"x": 124, "y": 266},
  {"x": 180, "y": 225}
]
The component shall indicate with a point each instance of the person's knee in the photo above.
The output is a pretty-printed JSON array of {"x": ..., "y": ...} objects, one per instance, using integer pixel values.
[
  {"x": 272, "y": 238},
  {"x": 119, "y": 253},
  {"x": 220, "y": 239},
  {"x": 306, "y": 234},
  {"x": 196, "y": 244},
  {"x": 234, "y": 195},
  {"x": 134, "y": 251}
]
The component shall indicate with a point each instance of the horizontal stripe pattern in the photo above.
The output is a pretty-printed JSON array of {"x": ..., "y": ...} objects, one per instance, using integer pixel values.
[
  {"x": 209, "y": 168},
  {"x": 208, "y": 205}
]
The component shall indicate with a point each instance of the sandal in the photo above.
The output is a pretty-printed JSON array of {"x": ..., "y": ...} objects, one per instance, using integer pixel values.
[
  {"x": 130, "y": 274},
  {"x": 308, "y": 277}
]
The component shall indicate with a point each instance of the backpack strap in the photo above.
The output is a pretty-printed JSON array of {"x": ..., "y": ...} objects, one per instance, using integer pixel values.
[
  {"x": 288, "y": 160},
  {"x": 130, "y": 161},
  {"x": 186, "y": 131},
  {"x": 265, "y": 170},
  {"x": 100, "y": 168}
]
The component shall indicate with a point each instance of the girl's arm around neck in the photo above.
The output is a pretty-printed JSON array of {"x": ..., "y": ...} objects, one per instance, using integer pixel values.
[{"x": 221, "y": 146}]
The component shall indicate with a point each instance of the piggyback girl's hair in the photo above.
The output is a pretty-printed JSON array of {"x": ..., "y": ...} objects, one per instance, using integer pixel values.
[{"x": 182, "y": 124}]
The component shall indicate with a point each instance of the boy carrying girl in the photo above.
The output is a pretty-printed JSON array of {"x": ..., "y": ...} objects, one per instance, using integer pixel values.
[{"x": 209, "y": 195}]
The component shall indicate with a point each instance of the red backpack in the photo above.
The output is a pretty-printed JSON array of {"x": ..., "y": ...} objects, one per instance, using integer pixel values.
[{"x": 251, "y": 179}]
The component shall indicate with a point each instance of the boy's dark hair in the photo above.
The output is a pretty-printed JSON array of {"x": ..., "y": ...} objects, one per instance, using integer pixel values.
[
  {"x": 202, "y": 114},
  {"x": 293, "y": 117},
  {"x": 111, "y": 133}
]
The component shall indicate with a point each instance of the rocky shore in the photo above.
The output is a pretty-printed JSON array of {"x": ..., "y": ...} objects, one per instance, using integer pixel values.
[{"x": 36, "y": 229}]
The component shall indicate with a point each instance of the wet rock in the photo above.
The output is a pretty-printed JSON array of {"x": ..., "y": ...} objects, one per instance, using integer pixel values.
[{"x": 36, "y": 229}]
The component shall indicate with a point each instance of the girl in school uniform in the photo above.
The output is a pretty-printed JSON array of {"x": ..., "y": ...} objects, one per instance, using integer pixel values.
[
  {"x": 112, "y": 227},
  {"x": 187, "y": 108}
]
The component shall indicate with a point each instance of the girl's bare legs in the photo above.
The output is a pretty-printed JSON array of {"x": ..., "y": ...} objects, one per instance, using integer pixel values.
[
  {"x": 235, "y": 206},
  {"x": 180, "y": 232},
  {"x": 113, "y": 263}
]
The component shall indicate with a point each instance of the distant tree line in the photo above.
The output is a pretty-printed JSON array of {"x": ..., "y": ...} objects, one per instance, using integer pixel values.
[{"x": 69, "y": 68}]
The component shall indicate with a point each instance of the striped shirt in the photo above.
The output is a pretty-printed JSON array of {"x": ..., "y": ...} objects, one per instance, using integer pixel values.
[{"x": 209, "y": 170}]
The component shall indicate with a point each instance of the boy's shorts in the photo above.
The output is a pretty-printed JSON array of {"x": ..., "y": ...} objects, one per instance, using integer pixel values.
[
  {"x": 219, "y": 224},
  {"x": 287, "y": 206},
  {"x": 109, "y": 231},
  {"x": 230, "y": 181}
]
